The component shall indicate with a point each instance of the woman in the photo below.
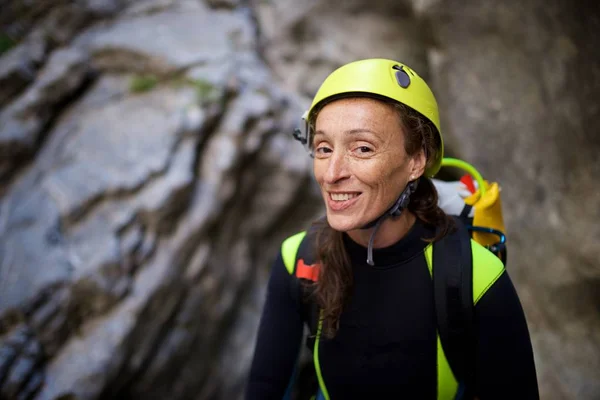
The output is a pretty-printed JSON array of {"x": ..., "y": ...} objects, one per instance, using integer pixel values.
[{"x": 374, "y": 132}]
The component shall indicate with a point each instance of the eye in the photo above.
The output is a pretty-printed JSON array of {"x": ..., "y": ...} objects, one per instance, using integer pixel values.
[
  {"x": 361, "y": 150},
  {"x": 322, "y": 150}
]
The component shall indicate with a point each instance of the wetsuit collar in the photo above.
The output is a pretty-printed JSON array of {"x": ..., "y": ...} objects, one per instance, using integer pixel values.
[{"x": 404, "y": 250}]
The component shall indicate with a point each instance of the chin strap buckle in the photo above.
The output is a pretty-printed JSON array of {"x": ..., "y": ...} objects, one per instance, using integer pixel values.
[{"x": 395, "y": 211}]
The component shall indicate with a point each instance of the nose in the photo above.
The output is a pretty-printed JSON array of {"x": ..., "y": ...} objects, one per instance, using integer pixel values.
[{"x": 337, "y": 168}]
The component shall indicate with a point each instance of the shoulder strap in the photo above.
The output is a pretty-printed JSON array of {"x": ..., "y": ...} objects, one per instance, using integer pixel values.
[
  {"x": 299, "y": 259},
  {"x": 289, "y": 250},
  {"x": 453, "y": 294},
  {"x": 298, "y": 254}
]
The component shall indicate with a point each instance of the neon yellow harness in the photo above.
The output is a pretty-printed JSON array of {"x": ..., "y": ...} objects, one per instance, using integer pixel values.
[{"x": 487, "y": 268}]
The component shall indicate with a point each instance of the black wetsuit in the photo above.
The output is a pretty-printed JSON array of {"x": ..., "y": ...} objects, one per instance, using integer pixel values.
[{"x": 386, "y": 345}]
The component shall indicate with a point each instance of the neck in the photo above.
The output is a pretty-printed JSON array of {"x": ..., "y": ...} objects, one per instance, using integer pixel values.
[{"x": 391, "y": 231}]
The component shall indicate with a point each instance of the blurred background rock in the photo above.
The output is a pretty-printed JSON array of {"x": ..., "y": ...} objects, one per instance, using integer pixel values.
[{"x": 148, "y": 175}]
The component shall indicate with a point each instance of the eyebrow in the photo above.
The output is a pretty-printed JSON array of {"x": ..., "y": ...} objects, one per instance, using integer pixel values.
[{"x": 350, "y": 132}]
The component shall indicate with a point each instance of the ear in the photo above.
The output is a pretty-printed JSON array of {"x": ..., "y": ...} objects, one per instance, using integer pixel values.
[{"x": 417, "y": 165}]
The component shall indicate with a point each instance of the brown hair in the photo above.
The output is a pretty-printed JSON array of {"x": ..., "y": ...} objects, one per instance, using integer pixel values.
[{"x": 335, "y": 277}]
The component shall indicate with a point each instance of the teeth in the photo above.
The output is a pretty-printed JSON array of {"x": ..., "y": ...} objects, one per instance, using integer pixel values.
[{"x": 342, "y": 196}]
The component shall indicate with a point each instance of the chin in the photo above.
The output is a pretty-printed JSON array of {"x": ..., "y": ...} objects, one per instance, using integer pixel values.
[{"x": 344, "y": 223}]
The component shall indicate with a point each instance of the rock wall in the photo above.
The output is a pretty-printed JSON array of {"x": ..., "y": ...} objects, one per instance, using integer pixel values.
[
  {"x": 147, "y": 175},
  {"x": 521, "y": 86}
]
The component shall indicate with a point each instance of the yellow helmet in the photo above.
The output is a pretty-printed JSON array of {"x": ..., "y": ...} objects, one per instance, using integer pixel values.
[{"x": 380, "y": 77}]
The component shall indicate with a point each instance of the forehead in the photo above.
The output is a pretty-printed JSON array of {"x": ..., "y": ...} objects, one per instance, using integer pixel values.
[{"x": 358, "y": 113}]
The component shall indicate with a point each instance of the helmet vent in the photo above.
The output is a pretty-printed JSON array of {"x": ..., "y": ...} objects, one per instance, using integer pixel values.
[{"x": 402, "y": 76}]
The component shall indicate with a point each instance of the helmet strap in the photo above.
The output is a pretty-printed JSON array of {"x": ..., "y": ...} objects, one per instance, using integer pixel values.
[{"x": 394, "y": 211}]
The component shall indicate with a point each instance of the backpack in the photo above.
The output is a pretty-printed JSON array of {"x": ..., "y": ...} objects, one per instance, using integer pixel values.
[{"x": 457, "y": 286}]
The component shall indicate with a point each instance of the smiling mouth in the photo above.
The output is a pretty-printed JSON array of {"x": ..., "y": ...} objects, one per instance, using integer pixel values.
[{"x": 343, "y": 196}]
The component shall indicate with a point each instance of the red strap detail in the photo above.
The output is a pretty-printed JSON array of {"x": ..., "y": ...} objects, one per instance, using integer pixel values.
[
  {"x": 310, "y": 272},
  {"x": 467, "y": 180}
]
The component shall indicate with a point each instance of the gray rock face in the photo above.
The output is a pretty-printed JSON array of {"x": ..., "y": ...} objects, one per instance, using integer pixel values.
[
  {"x": 516, "y": 84},
  {"x": 24, "y": 120},
  {"x": 304, "y": 41},
  {"x": 58, "y": 21},
  {"x": 131, "y": 241},
  {"x": 18, "y": 67},
  {"x": 177, "y": 38},
  {"x": 227, "y": 4},
  {"x": 148, "y": 176}
]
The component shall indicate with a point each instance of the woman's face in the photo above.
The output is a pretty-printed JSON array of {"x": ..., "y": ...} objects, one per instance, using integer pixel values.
[{"x": 360, "y": 162}]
